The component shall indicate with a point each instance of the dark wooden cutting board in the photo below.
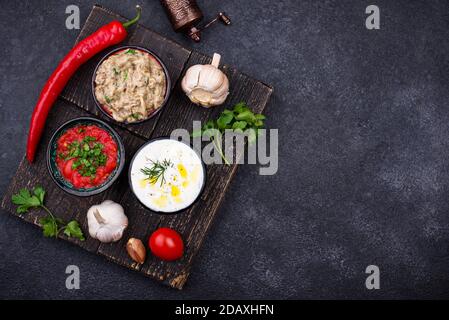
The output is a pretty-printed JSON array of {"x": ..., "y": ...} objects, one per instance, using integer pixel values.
[{"x": 77, "y": 100}]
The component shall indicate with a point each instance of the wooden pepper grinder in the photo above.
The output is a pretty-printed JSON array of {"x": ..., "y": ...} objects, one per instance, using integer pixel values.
[{"x": 185, "y": 16}]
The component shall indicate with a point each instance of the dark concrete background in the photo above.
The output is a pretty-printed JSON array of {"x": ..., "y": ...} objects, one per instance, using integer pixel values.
[{"x": 363, "y": 177}]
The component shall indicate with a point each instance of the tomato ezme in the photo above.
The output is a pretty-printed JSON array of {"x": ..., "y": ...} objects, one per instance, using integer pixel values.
[{"x": 86, "y": 155}]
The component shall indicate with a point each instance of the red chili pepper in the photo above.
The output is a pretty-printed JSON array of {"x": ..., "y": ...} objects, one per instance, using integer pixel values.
[{"x": 108, "y": 35}]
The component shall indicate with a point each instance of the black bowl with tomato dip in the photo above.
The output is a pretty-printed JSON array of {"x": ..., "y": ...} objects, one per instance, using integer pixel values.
[
  {"x": 155, "y": 57},
  {"x": 85, "y": 156}
]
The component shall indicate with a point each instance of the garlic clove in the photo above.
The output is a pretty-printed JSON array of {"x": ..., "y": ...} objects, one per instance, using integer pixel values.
[
  {"x": 222, "y": 91},
  {"x": 210, "y": 79},
  {"x": 117, "y": 233},
  {"x": 136, "y": 250},
  {"x": 191, "y": 78},
  {"x": 105, "y": 234},
  {"x": 108, "y": 234},
  {"x": 98, "y": 217},
  {"x": 200, "y": 95}
]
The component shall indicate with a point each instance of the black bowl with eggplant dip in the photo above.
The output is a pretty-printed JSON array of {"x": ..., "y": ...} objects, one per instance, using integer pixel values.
[
  {"x": 130, "y": 84},
  {"x": 85, "y": 156}
]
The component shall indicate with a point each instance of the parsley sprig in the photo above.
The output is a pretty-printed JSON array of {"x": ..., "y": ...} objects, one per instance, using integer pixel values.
[
  {"x": 240, "y": 119},
  {"x": 157, "y": 170},
  {"x": 52, "y": 226}
]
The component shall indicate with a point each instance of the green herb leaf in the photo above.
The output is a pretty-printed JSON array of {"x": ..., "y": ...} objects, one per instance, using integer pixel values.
[
  {"x": 246, "y": 115},
  {"x": 239, "y": 125},
  {"x": 73, "y": 230},
  {"x": 89, "y": 139},
  {"x": 40, "y": 193},
  {"x": 108, "y": 100},
  {"x": 258, "y": 123},
  {"x": 116, "y": 72},
  {"x": 131, "y": 51},
  {"x": 126, "y": 76},
  {"x": 26, "y": 201},
  {"x": 240, "y": 107},
  {"x": 49, "y": 226},
  {"x": 225, "y": 119},
  {"x": 239, "y": 119},
  {"x": 209, "y": 125}
]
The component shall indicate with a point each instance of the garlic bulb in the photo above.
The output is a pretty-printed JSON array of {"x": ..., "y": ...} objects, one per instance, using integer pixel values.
[
  {"x": 107, "y": 221},
  {"x": 206, "y": 85}
]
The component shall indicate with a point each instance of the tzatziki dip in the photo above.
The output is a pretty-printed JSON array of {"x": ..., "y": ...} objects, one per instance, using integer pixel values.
[{"x": 167, "y": 175}]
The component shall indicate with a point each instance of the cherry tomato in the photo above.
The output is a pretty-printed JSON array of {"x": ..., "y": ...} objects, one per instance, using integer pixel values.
[{"x": 166, "y": 244}]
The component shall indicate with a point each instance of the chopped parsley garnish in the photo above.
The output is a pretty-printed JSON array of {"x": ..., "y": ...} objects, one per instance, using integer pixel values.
[
  {"x": 89, "y": 156},
  {"x": 136, "y": 116},
  {"x": 108, "y": 100},
  {"x": 131, "y": 51}
]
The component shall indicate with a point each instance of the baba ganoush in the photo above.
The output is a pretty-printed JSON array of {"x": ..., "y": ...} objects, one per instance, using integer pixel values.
[
  {"x": 130, "y": 85},
  {"x": 167, "y": 175}
]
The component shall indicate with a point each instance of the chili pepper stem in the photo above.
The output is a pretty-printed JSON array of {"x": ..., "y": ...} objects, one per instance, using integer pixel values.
[{"x": 133, "y": 21}]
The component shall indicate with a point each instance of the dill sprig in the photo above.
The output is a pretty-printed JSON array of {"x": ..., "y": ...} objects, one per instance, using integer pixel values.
[{"x": 157, "y": 170}]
